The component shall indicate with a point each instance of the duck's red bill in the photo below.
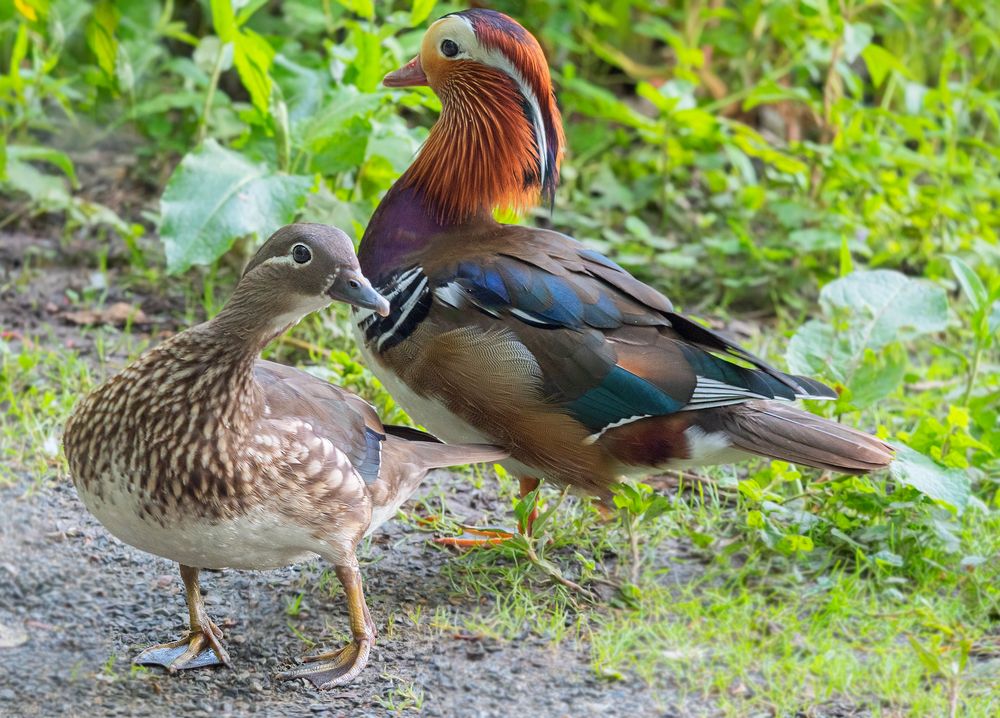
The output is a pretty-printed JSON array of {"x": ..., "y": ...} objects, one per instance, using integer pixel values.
[{"x": 409, "y": 75}]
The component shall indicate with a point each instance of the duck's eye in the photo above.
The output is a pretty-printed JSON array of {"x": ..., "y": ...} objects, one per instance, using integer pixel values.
[
  {"x": 449, "y": 48},
  {"x": 355, "y": 284},
  {"x": 301, "y": 254}
]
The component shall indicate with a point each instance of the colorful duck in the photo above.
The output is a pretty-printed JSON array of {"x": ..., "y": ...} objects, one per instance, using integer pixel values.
[{"x": 523, "y": 337}]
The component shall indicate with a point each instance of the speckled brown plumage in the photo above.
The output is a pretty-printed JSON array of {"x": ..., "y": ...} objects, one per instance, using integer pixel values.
[{"x": 206, "y": 455}]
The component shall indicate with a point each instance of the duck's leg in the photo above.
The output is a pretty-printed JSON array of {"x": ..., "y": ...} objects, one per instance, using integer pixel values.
[
  {"x": 336, "y": 668},
  {"x": 488, "y": 536},
  {"x": 202, "y": 646}
]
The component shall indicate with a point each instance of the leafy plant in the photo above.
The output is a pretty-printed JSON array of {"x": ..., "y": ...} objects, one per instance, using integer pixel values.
[{"x": 638, "y": 504}]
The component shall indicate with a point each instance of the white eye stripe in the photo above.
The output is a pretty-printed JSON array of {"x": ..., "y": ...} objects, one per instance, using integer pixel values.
[
  {"x": 500, "y": 61},
  {"x": 495, "y": 58},
  {"x": 281, "y": 259}
]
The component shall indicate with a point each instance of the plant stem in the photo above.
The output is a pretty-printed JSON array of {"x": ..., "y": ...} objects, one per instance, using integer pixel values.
[
  {"x": 633, "y": 542},
  {"x": 213, "y": 84},
  {"x": 553, "y": 571},
  {"x": 973, "y": 371}
]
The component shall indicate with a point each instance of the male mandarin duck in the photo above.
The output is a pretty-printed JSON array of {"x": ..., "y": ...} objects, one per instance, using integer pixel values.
[
  {"x": 523, "y": 337},
  {"x": 204, "y": 454}
]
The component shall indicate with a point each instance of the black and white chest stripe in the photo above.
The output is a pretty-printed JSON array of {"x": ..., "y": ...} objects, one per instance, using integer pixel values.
[{"x": 410, "y": 300}]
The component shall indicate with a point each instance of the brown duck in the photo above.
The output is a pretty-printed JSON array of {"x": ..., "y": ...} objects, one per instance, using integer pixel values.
[{"x": 204, "y": 454}]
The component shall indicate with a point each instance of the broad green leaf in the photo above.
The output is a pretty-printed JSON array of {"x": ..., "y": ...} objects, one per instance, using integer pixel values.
[
  {"x": 248, "y": 9},
  {"x": 859, "y": 345},
  {"x": 253, "y": 56},
  {"x": 44, "y": 189},
  {"x": 420, "y": 10},
  {"x": 124, "y": 74},
  {"x": 886, "y": 306},
  {"x": 224, "y": 20},
  {"x": 796, "y": 542},
  {"x": 950, "y": 487},
  {"x": 812, "y": 349},
  {"x": 816, "y": 239},
  {"x": 215, "y": 196},
  {"x": 367, "y": 61},
  {"x": 857, "y": 36},
  {"x": 344, "y": 149},
  {"x": 32, "y": 9},
  {"x": 756, "y": 146},
  {"x": 39, "y": 153},
  {"x": 879, "y": 62},
  {"x": 392, "y": 142},
  {"x": 101, "y": 36},
  {"x": 17, "y": 54},
  {"x": 364, "y": 8},
  {"x": 769, "y": 92},
  {"x": 345, "y": 104},
  {"x": 877, "y": 375},
  {"x": 972, "y": 285}
]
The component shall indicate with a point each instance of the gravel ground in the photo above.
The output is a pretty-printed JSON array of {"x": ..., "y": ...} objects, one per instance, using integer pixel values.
[{"x": 87, "y": 603}]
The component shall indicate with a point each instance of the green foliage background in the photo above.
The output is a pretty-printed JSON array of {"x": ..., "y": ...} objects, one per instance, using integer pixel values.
[{"x": 828, "y": 168}]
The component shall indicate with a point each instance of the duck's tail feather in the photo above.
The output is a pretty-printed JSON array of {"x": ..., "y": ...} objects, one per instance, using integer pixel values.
[
  {"x": 779, "y": 431},
  {"x": 430, "y": 453}
]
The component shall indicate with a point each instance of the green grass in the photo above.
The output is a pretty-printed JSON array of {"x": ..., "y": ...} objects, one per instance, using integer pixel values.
[
  {"x": 38, "y": 388},
  {"x": 40, "y": 382},
  {"x": 715, "y": 617},
  {"x": 747, "y": 631}
]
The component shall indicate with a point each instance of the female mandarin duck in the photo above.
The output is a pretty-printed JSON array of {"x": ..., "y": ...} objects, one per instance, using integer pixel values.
[
  {"x": 203, "y": 454},
  {"x": 524, "y": 338}
]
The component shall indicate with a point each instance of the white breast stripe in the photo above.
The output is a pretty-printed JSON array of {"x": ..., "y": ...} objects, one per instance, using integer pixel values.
[
  {"x": 404, "y": 311},
  {"x": 403, "y": 282},
  {"x": 365, "y": 318}
]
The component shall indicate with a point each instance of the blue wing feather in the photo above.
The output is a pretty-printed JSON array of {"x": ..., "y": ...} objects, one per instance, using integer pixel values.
[{"x": 530, "y": 294}]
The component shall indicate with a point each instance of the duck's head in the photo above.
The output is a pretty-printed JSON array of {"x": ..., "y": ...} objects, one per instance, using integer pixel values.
[
  {"x": 300, "y": 269},
  {"x": 499, "y": 141}
]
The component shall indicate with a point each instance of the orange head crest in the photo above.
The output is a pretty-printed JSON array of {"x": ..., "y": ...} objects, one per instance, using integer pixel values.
[{"x": 499, "y": 140}]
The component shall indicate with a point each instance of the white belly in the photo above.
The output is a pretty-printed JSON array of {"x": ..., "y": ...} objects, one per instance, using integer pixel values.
[{"x": 261, "y": 539}]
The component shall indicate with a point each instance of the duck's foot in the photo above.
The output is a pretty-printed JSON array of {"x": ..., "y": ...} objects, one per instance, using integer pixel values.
[
  {"x": 199, "y": 649},
  {"x": 495, "y": 536},
  {"x": 334, "y": 668},
  {"x": 484, "y": 537},
  {"x": 342, "y": 666}
]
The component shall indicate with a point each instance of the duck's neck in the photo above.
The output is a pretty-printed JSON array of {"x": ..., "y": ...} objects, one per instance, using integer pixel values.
[
  {"x": 252, "y": 318},
  {"x": 219, "y": 355},
  {"x": 404, "y": 224},
  {"x": 480, "y": 155}
]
